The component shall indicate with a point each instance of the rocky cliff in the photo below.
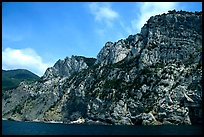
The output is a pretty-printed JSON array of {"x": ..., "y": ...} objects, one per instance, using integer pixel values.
[
  {"x": 68, "y": 66},
  {"x": 151, "y": 78}
]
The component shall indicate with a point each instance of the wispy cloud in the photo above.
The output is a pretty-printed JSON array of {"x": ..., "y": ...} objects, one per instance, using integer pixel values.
[
  {"x": 103, "y": 12},
  {"x": 145, "y": 10},
  {"x": 148, "y": 9},
  {"x": 107, "y": 20},
  {"x": 25, "y": 59}
]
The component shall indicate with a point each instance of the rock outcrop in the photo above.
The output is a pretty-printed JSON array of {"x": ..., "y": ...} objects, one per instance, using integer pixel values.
[
  {"x": 151, "y": 78},
  {"x": 68, "y": 66}
]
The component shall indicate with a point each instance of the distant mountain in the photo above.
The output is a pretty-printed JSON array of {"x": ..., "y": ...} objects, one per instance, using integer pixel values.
[{"x": 12, "y": 78}]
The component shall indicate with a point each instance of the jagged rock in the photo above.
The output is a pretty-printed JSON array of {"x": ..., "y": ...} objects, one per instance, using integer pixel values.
[
  {"x": 188, "y": 99},
  {"x": 151, "y": 78},
  {"x": 78, "y": 121},
  {"x": 167, "y": 123},
  {"x": 68, "y": 66},
  {"x": 148, "y": 117},
  {"x": 112, "y": 53}
]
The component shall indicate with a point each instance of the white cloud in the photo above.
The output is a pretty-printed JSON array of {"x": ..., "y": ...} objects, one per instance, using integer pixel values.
[
  {"x": 107, "y": 19},
  {"x": 103, "y": 12},
  {"x": 148, "y": 9},
  {"x": 23, "y": 59}
]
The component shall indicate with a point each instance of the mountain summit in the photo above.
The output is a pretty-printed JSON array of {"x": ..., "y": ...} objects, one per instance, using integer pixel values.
[{"x": 151, "y": 78}]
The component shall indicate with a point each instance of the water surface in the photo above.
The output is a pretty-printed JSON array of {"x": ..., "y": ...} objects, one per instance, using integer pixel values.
[{"x": 38, "y": 128}]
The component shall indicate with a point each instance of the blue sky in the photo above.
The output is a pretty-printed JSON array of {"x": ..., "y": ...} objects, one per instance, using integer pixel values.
[{"x": 36, "y": 34}]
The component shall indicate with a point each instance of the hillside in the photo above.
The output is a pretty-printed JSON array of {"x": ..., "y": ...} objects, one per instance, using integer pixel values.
[
  {"x": 150, "y": 78},
  {"x": 12, "y": 78}
]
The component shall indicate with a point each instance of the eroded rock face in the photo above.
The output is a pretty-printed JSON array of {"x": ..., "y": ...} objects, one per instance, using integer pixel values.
[
  {"x": 112, "y": 53},
  {"x": 68, "y": 66},
  {"x": 151, "y": 78},
  {"x": 172, "y": 38},
  {"x": 115, "y": 52}
]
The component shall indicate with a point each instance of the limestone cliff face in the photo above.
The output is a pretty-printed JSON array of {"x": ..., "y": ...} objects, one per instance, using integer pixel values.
[
  {"x": 151, "y": 78},
  {"x": 68, "y": 66},
  {"x": 112, "y": 53},
  {"x": 172, "y": 38}
]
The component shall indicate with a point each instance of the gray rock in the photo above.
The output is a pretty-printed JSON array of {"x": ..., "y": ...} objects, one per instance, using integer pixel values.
[
  {"x": 68, "y": 66},
  {"x": 113, "y": 52},
  {"x": 151, "y": 78}
]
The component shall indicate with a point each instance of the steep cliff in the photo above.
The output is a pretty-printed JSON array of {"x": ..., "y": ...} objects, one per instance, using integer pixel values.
[
  {"x": 151, "y": 78},
  {"x": 68, "y": 66}
]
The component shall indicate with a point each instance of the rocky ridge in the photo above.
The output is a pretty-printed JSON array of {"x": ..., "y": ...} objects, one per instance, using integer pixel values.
[
  {"x": 68, "y": 66},
  {"x": 151, "y": 78}
]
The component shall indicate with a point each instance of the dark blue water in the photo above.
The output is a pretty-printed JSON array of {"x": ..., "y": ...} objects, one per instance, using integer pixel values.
[{"x": 35, "y": 128}]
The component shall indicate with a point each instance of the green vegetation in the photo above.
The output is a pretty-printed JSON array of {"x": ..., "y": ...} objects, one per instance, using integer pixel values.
[
  {"x": 12, "y": 78},
  {"x": 148, "y": 109},
  {"x": 18, "y": 110},
  {"x": 89, "y": 61},
  {"x": 112, "y": 84}
]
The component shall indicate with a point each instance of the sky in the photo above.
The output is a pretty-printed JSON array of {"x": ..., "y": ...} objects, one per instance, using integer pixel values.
[{"x": 37, "y": 34}]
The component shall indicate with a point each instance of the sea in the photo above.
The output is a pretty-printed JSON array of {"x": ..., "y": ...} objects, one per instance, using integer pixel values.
[{"x": 39, "y": 128}]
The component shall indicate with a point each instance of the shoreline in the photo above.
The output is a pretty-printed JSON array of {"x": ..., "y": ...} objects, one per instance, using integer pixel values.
[
  {"x": 75, "y": 123},
  {"x": 35, "y": 120}
]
